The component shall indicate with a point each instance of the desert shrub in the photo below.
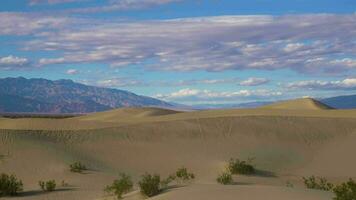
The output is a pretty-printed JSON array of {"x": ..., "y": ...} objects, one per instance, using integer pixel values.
[
  {"x": 237, "y": 166},
  {"x": 48, "y": 186},
  {"x": 150, "y": 185},
  {"x": 77, "y": 167},
  {"x": 10, "y": 185},
  {"x": 225, "y": 178},
  {"x": 183, "y": 175},
  {"x": 120, "y": 186},
  {"x": 345, "y": 191},
  {"x": 318, "y": 183}
]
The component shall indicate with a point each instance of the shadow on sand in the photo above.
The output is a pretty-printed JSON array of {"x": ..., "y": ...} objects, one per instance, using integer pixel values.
[{"x": 40, "y": 192}]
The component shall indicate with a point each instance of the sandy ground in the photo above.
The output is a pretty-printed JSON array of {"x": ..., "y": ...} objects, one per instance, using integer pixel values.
[{"x": 285, "y": 144}]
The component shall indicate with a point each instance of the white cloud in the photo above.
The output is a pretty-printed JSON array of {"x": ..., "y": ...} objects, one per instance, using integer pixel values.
[
  {"x": 72, "y": 71},
  {"x": 348, "y": 62},
  {"x": 189, "y": 95},
  {"x": 13, "y": 62},
  {"x": 346, "y": 84},
  {"x": 293, "y": 47},
  {"x": 253, "y": 81}
]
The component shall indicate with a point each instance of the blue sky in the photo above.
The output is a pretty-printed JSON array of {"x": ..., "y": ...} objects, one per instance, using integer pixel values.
[{"x": 191, "y": 52}]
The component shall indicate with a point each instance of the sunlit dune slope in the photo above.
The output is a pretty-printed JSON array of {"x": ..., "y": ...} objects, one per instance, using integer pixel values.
[{"x": 299, "y": 104}]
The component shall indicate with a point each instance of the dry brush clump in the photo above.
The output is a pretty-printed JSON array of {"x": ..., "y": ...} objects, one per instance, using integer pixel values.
[
  {"x": 225, "y": 178},
  {"x": 237, "y": 166},
  {"x": 120, "y": 186},
  {"x": 150, "y": 184},
  {"x": 47, "y": 186},
  {"x": 318, "y": 183},
  {"x": 10, "y": 185},
  {"x": 344, "y": 191},
  {"x": 77, "y": 167}
]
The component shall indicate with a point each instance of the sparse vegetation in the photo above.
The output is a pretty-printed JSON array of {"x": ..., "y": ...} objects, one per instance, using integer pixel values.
[
  {"x": 120, "y": 186},
  {"x": 77, "y": 167},
  {"x": 237, "y": 166},
  {"x": 225, "y": 178},
  {"x": 318, "y": 183},
  {"x": 345, "y": 191},
  {"x": 183, "y": 175},
  {"x": 47, "y": 186},
  {"x": 150, "y": 185},
  {"x": 10, "y": 185}
]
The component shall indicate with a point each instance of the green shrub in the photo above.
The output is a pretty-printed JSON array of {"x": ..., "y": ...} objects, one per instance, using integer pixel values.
[
  {"x": 150, "y": 185},
  {"x": 120, "y": 186},
  {"x": 318, "y": 183},
  {"x": 345, "y": 191},
  {"x": 225, "y": 178},
  {"x": 48, "y": 186},
  {"x": 183, "y": 175},
  {"x": 77, "y": 167},
  {"x": 10, "y": 185},
  {"x": 236, "y": 166}
]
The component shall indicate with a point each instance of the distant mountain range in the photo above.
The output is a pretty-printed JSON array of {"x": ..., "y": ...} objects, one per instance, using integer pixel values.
[
  {"x": 23, "y": 95},
  {"x": 341, "y": 102},
  {"x": 65, "y": 96}
]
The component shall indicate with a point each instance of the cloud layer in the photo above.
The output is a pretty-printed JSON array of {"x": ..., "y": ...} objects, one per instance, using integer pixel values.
[
  {"x": 305, "y": 43},
  {"x": 195, "y": 95},
  {"x": 346, "y": 84}
]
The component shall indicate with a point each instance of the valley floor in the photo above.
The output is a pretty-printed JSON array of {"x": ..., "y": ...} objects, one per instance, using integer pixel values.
[{"x": 286, "y": 145}]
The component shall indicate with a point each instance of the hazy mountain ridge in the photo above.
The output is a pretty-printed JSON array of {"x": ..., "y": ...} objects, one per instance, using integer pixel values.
[
  {"x": 65, "y": 96},
  {"x": 341, "y": 102}
]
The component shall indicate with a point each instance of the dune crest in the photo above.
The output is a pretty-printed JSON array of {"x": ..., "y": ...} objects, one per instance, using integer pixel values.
[{"x": 299, "y": 104}]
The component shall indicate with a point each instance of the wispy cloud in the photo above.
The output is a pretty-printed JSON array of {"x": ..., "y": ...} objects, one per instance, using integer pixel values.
[
  {"x": 191, "y": 95},
  {"x": 293, "y": 42},
  {"x": 346, "y": 84},
  {"x": 36, "y": 2},
  {"x": 72, "y": 71},
  {"x": 13, "y": 62},
  {"x": 253, "y": 81},
  {"x": 130, "y": 82},
  {"x": 14, "y": 23},
  {"x": 120, "y": 5}
]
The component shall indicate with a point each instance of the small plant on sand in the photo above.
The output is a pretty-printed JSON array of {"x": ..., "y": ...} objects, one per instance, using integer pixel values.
[
  {"x": 183, "y": 175},
  {"x": 345, "y": 191},
  {"x": 237, "y": 166},
  {"x": 150, "y": 185},
  {"x": 10, "y": 185},
  {"x": 77, "y": 167},
  {"x": 318, "y": 183},
  {"x": 165, "y": 182},
  {"x": 120, "y": 186},
  {"x": 225, "y": 178},
  {"x": 47, "y": 186}
]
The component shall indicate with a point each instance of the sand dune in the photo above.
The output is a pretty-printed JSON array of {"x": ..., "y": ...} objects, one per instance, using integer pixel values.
[{"x": 286, "y": 144}]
